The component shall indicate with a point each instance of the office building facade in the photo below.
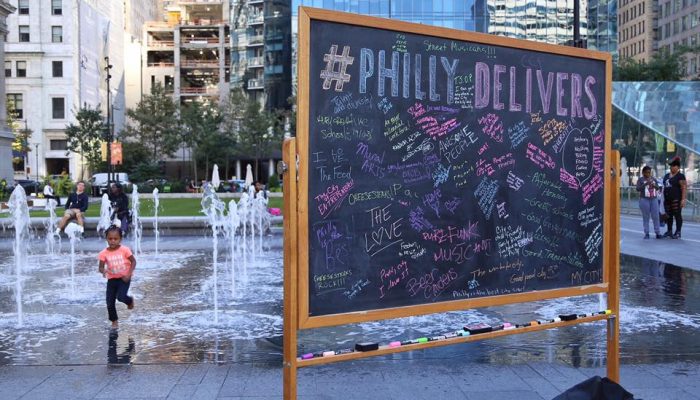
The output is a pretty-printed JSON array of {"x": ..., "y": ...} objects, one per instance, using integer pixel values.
[
  {"x": 261, "y": 53},
  {"x": 679, "y": 27},
  {"x": 637, "y": 27},
  {"x": 190, "y": 52},
  {"x": 54, "y": 65},
  {"x": 6, "y": 135}
]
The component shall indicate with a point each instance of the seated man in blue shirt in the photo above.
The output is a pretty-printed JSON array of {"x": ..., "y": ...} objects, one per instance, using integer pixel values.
[{"x": 75, "y": 207}]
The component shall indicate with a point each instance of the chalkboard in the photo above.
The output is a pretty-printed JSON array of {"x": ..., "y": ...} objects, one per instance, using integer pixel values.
[{"x": 441, "y": 170}]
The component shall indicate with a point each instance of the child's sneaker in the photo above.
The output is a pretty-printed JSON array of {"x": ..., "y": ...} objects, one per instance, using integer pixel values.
[{"x": 131, "y": 306}]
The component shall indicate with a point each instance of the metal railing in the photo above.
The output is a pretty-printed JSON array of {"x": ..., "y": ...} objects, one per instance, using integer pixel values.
[
  {"x": 161, "y": 43},
  {"x": 629, "y": 202},
  {"x": 199, "y": 90},
  {"x": 256, "y": 84},
  {"x": 200, "y": 40},
  {"x": 199, "y": 64},
  {"x": 161, "y": 64},
  {"x": 255, "y": 62}
]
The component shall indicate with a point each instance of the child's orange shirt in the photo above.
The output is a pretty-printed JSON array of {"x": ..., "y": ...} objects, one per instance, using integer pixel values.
[{"x": 117, "y": 262}]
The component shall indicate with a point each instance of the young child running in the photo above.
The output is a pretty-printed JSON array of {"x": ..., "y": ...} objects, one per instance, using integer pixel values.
[{"x": 117, "y": 264}]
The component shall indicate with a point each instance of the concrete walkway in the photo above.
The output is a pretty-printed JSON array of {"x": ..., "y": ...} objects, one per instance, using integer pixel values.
[
  {"x": 684, "y": 252},
  {"x": 428, "y": 379}
]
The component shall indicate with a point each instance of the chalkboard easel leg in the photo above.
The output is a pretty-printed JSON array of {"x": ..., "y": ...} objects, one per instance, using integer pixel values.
[
  {"x": 291, "y": 314},
  {"x": 613, "y": 336}
]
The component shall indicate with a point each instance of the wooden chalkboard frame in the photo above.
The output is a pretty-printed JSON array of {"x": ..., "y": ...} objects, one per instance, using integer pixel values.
[
  {"x": 296, "y": 229},
  {"x": 306, "y": 15}
]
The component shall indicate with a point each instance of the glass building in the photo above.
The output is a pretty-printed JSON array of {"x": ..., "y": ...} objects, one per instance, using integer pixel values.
[{"x": 654, "y": 121}]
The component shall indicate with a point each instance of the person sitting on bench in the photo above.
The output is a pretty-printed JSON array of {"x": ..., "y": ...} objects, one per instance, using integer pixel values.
[{"x": 76, "y": 205}]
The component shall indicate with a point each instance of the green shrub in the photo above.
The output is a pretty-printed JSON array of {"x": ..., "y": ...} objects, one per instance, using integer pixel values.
[
  {"x": 273, "y": 182},
  {"x": 177, "y": 187}
]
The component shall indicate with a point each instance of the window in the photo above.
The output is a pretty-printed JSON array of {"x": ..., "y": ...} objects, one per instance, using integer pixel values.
[
  {"x": 16, "y": 100},
  {"x": 24, "y": 33},
  {"x": 21, "y": 69},
  {"x": 57, "y": 34},
  {"x": 8, "y": 69},
  {"x": 23, "y": 6},
  {"x": 56, "y": 7},
  {"x": 57, "y": 69},
  {"x": 58, "y": 108},
  {"x": 58, "y": 144}
]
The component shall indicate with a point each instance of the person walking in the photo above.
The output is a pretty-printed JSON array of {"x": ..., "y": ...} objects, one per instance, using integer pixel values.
[
  {"x": 48, "y": 194},
  {"x": 117, "y": 264},
  {"x": 648, "y": 202},
  {"x": 675, "y": 188},
  {"x": 120, "y": 207}
]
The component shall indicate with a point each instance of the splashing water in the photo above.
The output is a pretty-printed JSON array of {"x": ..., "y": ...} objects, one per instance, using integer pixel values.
[
  {"x": 136, "y": 221},
  {"x": 243, "y": 217},
  {"x": 20, "y": 221},
  {"x": 74, "y": 232},
  {"x": 232, "y": 224},
  {"x": 105, "y": 214},
  {"x": 251, "y": 219},
  {"x": 50, "y": 227},
  {"x": 156, "y": 205},
  {"x": 263, "y": 216},
  {"x": 213, "y": 208}
]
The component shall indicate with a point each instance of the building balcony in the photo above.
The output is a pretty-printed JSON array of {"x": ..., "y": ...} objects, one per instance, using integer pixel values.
[
  {"x": 199, "y": 91},
  {"x": 251, "y": 2},
  {"x": 199, "y": 41},
  {"x": 257, "y": 40},
  {"x": 161, "y": 43},
  {"x": 256, "y": 62},
  {"x": 199, "y": 64},
  {"x": 256, "y": 19},
  {"x": 256, "y": 84},
  {"x": 202, "y": 22},
  {"x": 160, "y": 64}
]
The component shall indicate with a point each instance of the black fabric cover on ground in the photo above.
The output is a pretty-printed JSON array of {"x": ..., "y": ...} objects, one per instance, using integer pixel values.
[{"x": 596, "y": 388}]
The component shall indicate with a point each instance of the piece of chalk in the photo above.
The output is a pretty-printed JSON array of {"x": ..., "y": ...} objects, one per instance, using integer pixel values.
[
  {"x": 608, "y": 312},
  {"x": 557, "y": 319},
  {"x": 422, "y": 340},
  {"x": 344, "y": 351},
  {"x": 450, "y": 335},
  {"x": 436, "y": 338},
  {"x": 406, "y": 342},
  {"x": 307, "y": 356},
  {"x": 567, "y": 317},
  {"x": 394, "y": 344},
  {"x": 367, "y": 346},
  {"x": 318, "y": 355},
  {"x": 533, "y": 323},
  {"x": 508, "y": 326},
  {"x": 328, "y": 353},
  {"x": 462, "y": 333},
  {"x": 478, "y": 328}
]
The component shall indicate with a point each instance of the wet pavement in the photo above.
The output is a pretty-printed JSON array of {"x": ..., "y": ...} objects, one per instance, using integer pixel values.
[{"x": 65, "y": 346}]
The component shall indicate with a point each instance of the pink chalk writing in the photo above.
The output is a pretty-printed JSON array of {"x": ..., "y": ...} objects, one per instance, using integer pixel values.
[
  {"x": 453, "y": 234},
  {"x": 333, "y": 197},
  {"x": 539, "y": 157},
  {"x": 592, "y": 186},
  {"x": 567, "y": 178},
  {"x": 492, "y": 127}
]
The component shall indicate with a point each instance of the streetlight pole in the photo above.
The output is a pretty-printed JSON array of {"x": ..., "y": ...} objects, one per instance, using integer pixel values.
[
  {"x": 109, "y": 122},
  {"x": 36, "y": 150}
]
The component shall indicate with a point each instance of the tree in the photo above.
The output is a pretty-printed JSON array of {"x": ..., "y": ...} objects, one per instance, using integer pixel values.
[
  {"x": 154, "y": 122},
  {"x": 232, "y": 115},
  {"x": 661, "y": 67},
  {"x": 20, "y": 145},
  {"x": 202, "y": 133},
  {"x": 85, "y": 137},
  {"x": 260, "y": 133}
]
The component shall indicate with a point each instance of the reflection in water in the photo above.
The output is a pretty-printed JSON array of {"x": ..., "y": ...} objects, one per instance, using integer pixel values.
[
  {"x": 114, "y": 356},
  {"x": 660, "y": 317}
]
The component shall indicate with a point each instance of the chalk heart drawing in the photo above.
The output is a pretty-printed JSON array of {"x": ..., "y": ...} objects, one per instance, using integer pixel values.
[{"x": 577, "y": 157}]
